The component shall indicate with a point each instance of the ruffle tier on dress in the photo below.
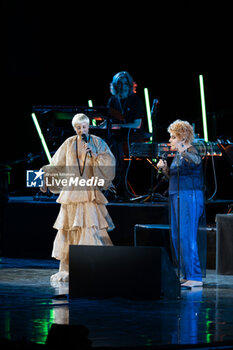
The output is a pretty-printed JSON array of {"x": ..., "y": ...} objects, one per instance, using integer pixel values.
[{"x": 81, "y": 223}]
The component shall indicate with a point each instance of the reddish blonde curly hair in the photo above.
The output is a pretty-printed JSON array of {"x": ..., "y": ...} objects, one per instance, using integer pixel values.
[{"x": 182, "y": 130}]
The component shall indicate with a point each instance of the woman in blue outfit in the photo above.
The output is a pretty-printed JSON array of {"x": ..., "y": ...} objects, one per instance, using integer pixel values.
[{"x": 186, "y": 193}]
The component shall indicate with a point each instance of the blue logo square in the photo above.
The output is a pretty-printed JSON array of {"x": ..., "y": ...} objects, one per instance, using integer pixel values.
[{"x": 35, "y": 178}]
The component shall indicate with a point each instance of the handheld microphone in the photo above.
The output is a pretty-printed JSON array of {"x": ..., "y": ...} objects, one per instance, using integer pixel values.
[
  {"x": 154, "y": 107},
  {"x": 163, "y": 157},
  {"x": 84, "y": 138}
]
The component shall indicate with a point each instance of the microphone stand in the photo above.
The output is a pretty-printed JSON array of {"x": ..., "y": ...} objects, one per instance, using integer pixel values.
[
  {"x": 109, "y": 131},
  {"x": 178, "y": 215},
  {"x": 154, "y": 111}
]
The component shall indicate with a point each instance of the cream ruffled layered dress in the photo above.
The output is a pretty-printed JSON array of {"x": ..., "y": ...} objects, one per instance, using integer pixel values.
[{"x": 83, "y": 218}]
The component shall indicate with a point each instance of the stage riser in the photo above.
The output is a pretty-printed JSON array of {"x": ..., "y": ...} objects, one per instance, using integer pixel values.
[
  {"x": 27, "y": 230},
  {"x": 27, "y": 226},
  {"x": 125, "y": 217}
]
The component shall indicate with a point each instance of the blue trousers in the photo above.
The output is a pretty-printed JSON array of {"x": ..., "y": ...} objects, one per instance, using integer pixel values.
[{"x": 191, "y": 208}]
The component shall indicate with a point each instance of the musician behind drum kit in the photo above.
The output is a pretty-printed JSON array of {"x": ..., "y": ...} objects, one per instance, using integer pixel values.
[{"x": 126, "y": 111}]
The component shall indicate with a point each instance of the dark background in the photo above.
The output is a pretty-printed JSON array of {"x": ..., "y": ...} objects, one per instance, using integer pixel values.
[{"x": 66, "y": 53}]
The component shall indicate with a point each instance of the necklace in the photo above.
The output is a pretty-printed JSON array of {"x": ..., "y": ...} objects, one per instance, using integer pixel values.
[
  {"x": 81, "y": 171},
  {"x": 122, "y": 106}
]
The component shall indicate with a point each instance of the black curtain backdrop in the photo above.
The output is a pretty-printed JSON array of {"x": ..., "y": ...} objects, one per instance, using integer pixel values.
[{"x": 66, "y": 54}]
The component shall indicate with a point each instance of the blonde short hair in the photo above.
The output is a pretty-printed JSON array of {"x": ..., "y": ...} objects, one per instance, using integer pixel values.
[
  {"x": 182, "y": 130},
  {"x": 80, "y": 118}
]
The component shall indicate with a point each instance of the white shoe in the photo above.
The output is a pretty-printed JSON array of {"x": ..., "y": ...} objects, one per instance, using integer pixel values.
[
  {"x": 62, "y": 276},
  {"x": 182, "y": 280},
  {"x": 192, "y": 284}
]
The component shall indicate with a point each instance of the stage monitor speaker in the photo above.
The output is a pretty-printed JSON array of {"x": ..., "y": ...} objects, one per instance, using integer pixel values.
[
  {"x": 153, "y": 235},
  {"x": 224, "y": 244},
  {"x": 64, "y": 336},
  {"x": 144, "y": 273}
]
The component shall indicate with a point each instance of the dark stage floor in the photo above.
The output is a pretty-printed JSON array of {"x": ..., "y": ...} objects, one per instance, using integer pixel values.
[
  {"x": 28, "y": 308},
  {"x": 29, "y": 303}
]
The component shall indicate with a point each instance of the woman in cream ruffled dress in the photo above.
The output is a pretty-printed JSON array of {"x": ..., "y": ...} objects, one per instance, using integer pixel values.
[{"x": 83, "y": 218}]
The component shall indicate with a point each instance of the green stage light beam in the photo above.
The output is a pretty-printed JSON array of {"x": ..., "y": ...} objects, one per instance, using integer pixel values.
[
  {"x": 147, "y": 101},
  {"x": 203, "y": 108},
  {"x": 41, "y": 136},
  {"x": 90, "y": 104}
]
